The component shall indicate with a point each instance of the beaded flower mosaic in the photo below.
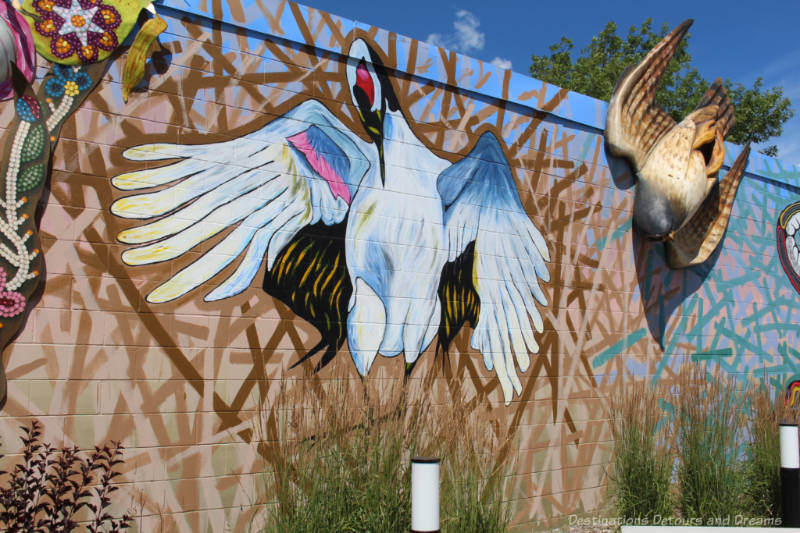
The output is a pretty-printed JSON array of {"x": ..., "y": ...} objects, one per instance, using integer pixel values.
[
  {"x": 24, "y": 173},
  {"x": 67, "y": 81},
  {"x": 79, "y": 28},
  {"x": 12, "y": 303}
]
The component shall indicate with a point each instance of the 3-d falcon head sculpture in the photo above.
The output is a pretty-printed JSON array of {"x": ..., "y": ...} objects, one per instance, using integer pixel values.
[{"x": 678, "y": 198}]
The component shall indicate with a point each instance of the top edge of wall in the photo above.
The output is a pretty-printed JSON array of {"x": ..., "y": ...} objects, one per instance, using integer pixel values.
[{"x": 490, "y": 81}]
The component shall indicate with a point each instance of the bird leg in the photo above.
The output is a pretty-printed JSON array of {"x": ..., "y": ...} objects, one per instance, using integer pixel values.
[{"x": 366, "y": 325}]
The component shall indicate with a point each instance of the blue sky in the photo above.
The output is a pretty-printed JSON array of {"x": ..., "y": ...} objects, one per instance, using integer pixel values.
[{"x": 736, "y": 39}]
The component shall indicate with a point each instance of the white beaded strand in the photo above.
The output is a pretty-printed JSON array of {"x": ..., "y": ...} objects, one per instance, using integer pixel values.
[
  {"x": 59, "y": 113},
  {"x": 10, "y": 225}
]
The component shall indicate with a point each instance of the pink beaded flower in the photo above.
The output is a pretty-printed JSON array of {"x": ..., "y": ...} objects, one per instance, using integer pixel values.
[
  {"x": 16, "y": 46},
  {"x": 12, "y": 303}
]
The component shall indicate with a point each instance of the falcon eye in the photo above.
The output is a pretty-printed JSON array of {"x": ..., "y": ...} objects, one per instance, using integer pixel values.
[{"x": 364, "y": 82}]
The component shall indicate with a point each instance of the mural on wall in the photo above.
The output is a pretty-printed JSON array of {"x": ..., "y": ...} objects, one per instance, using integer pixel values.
[
  {"x": 77, "y": 37},
  {"x": 787, "y": 229},
  {"x": 185, "y": 380},
  {"x": 792, "y": 394},
  {"x": 381, "y": 242},
  {"x": 678, "y": 198}
]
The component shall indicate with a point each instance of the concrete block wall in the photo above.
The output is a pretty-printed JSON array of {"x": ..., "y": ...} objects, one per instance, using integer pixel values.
[{"x": 184, "y": 383}]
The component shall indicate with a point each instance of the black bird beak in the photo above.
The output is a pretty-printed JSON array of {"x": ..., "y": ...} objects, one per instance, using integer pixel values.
[{"x": 365, "y": 92}]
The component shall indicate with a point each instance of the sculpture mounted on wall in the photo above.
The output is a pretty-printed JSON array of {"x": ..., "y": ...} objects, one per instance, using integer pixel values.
[
  {"x": 678, "y": 198},
  {"x": 379, "y": 242}
]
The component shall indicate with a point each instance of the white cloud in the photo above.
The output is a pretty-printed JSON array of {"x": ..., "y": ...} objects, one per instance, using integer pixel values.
[
  {"x": 502, "y": 63},
  {"x": 466, "y": 36}
]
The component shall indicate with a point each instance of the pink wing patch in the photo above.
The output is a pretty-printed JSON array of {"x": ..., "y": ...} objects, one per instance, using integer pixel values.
[{"x": 317, "y": 161}]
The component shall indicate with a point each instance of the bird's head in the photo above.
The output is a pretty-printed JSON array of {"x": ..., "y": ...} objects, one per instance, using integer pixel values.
[
  {"x": 370, "y": 90},
  {"x": 652, "y": 213}
]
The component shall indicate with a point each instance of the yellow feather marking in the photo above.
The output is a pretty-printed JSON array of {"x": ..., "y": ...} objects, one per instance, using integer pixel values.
[
  {"x": 288, "y": 266},
  {"x": 277, "y": 270},
  {"x": 315, "y": 288},
  {"x": 332, "y": 301},
  {"x": 141, "y": 179},
  {"x": 309, "y": 269},
  {"x": 285, "y": 259},
  {"x": 150, "y": 254},
  {"x": 337, "y": 292},
  {"x": 374, "y": 130},
  {"x": 336, "y": 287},
  {"x": 450, "y": 304},
  {"x": 303, "y": 253},
  {"x": 278, "y": 276},
  {"x": 170, "y": 290},
  {"x": 330, "y": 276},
  {"x": 137, "y": 205},
  {"x": 366, "y": 215},
  {"x": 150, "y": 232}
]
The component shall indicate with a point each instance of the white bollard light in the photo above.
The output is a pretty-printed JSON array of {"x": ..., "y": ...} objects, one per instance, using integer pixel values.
[
  {"x": 425, "y": 494},
  {"x": 790, "y": 446},
  {"x": 790, "y": 475}
]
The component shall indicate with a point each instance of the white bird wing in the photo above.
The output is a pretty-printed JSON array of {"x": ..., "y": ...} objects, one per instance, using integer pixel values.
[
  {"x": 299, "y": 169},
  {"x": 482, "y": 205}
]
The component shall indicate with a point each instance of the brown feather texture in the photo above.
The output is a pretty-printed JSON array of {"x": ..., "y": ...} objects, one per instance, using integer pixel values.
[
  {"x": 697, "y": 239},
  {"x": 717, "y": 95},
  {"x": 633, "y": 122},
  {"x": 677, "y": 195}
]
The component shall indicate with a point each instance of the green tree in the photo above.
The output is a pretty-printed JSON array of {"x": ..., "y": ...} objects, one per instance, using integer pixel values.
[{"x": 760, "y": 112}]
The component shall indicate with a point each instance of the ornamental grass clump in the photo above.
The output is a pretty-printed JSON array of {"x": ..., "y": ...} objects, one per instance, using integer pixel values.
[
  {"x": 710, "y": 432},
  {"x": 473, "y": 472},
  {"x": 341, "y": 462},
  {"x": 64, "y": 490},
  {"x": 643, "y": 461},
  {"x": 708, "y": 452},
  {"x": 767, "y": 411}
]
